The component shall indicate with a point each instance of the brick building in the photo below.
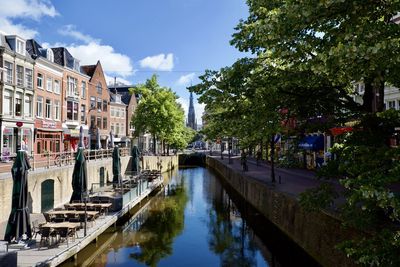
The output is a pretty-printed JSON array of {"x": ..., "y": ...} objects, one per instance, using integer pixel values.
[
  {"x": 48, "y": 80},
  {"x": 75, "y": 98},
  {"x": 16, "y": 96},
  {"x": 118, "y": 119},
  {"x": 99, "y": 99}
]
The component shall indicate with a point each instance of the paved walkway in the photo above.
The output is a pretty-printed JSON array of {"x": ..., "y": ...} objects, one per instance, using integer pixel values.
[{"x": 293, "y": 181}]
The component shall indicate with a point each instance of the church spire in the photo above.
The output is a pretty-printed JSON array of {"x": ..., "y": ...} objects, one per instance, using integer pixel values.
[{"x": 191, "y": 115}]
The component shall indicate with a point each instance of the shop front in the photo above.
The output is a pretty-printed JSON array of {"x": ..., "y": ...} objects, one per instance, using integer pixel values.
[
  {"x": 13, "y": 135},
  {"x": 313, "y": 146},
  {"x": 48, "y": 138},
  {"x": 71, "y": 139}
]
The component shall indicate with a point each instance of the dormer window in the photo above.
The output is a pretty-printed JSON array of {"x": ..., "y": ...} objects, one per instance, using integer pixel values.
[
  {"x": 76, "y": 65},
  {"x": 20, "y": 48},
  {"x": 50, "y": 55},
  {"x": 99, "y": 88}
]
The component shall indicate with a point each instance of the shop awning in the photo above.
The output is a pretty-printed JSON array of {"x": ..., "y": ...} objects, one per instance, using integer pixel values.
[
  {"x": 340, "y": 130},
  {"x": 312, "y": 142}
]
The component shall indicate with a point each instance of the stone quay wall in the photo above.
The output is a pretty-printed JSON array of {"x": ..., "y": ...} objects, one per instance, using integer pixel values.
[
  {"x": 316, "y": 232},
  {"x": 61, "y": 177}
]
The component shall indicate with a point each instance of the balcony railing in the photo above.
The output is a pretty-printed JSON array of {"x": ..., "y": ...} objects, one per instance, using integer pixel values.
[{"x": 59, "y": 159}]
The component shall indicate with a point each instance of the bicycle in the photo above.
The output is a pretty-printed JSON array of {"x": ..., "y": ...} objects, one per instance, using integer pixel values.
[{"x": 62, "y": 159}]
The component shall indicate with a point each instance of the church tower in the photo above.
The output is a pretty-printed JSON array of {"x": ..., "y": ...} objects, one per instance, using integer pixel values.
[{"x": 191, "y": 122}]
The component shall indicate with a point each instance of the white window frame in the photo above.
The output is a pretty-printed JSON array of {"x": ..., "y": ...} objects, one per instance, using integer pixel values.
[
  {"x": 28, "y": 104},
  {"x": 83, "y": 89},
  {"x": 48, "y": 108},
  {"x": 56, "y": 86},
  {"x": 9, "y": 72},
  {"x": 39, "y": 107},
  {"x": 9, "y": 96},
  {"x": 49, "y": 84},
  {"x": 20, "y": 76},
  {"x": 29, "y": 78},
  {"x": 57, "y": 110},
  {"x": 39, "y": 80}
]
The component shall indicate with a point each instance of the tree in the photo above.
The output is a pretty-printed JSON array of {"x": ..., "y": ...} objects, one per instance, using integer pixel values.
[
  {"x": 159, "y": 113},
  {"x": 345, "y": 41}
]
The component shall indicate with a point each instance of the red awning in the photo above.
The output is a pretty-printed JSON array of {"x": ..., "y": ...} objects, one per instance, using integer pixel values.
[{"x": 340, "y": 130}]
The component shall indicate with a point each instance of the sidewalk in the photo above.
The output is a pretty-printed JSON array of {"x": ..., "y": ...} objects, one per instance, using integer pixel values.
[{"x": 293, "y": 181}]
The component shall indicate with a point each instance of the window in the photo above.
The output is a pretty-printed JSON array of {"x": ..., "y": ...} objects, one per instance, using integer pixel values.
[
  {"x": 20, "y": 75},
  {"x": 50, "y": 55},
  {"x": 112, "y": 127},
  {"x": 48, "y": 109},
  {"x": 72, "y": 110},
  {"x": 49, "y": 84},
  {"x": 117, "y": 128},
  {"x": 9, "y": 72},
  {"x": 104, "y": 105},
  {"x": 92, "y": 102},
  {"x": 92, "y": 121},
  {"x": 98, "y": 104},
  {"x": 57, "y": 110},
  {"x": 122, "y": 129},
  {"x": 28, "y": 106},
  {"x": 117, "y": 112},
  {"x": 71, "y": 89},
  {"x": 83, "y": 88},
  {"x": 7, "y": 103},
  {"x": 99, "y": 88},
  {"x": 18, "y": 104},
  {"x": 83, "y": 113},
  {"x": 391, "y": 104},
  {"x": 56, "y": 86},
  {"x": 98, "y": 122},
  {"x": 112, "y": 112},
  {"x": 20, "y": 47},
  {"x": 104, "y": 123},
  {"x": 39, "y": 106},
  {"x": 39, "y": 80},
  {"x": 122, "y": 113},
  {"x": 28, "y": 78},
  {"x": 76, "y": 64}
]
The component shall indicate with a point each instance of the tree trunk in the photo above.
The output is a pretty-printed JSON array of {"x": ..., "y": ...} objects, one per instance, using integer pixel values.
[
  {"x": 167, "y": 149},
  {"x": 273, "y": 159},
  {"x": 373, "y": 98},
  {"x": 154, "y": 144}
]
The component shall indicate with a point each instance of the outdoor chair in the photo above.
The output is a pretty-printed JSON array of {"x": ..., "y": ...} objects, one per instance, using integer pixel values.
[
  {"x": 46, "y": 236},
  {"x": 48, "y": 217},
  {"x": 73, "y": 218},
  {"x": 65, "y": 234},
  {"x": 59, "y": 218},
  {"x": 35, "y": 228}
]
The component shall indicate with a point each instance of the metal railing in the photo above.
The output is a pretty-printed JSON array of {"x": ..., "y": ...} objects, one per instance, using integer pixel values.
[{"x": 59, "y": 159}]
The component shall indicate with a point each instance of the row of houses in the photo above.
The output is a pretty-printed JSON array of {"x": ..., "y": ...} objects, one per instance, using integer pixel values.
[{"x": 46, "y": 96}]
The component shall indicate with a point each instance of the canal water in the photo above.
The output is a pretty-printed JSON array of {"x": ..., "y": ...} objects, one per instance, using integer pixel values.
[{"x": 195, "y": 220}]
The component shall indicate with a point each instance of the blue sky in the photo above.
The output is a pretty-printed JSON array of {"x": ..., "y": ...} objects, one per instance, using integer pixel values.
[{"x": 176, "y": 39}]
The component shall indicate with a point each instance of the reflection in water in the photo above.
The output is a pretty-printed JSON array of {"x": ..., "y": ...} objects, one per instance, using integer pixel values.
[
  {"x": 193, "y": 222},
  {"x": 161, "y": 227}
]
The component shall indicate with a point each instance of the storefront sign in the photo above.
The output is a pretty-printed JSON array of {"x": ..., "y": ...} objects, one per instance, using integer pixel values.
[
  {"x": 19, "y": 123},
  {"x": 48, "y": 124}
]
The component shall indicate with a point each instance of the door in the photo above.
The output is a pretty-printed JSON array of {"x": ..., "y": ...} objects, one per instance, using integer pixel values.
[{"x": 47, "y": 195}]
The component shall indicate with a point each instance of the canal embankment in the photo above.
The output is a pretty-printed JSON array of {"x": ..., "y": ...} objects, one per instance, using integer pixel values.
[{"x": 317, "y": 233}]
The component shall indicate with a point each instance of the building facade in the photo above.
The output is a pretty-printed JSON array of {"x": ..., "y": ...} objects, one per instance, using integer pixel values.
[
  {"x": 74, "y": 94},
  {"x": 98, "y": 112},
  {"x": 118, "y": 119},
  {"x": 17, "y": 94},
  {"x": 48, "y": 102}
]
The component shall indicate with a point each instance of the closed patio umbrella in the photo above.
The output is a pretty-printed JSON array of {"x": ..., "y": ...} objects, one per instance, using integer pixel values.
[
  {"x": 135, "y": 159},
  {"x": 98, "y": 142},
  {"x": 19, "y": 222},
  {"x": 111, "y": 139},
  {"x": 116, "y": 166},
  {"x": 79, "y": 177},
  {"x": 81, "y": 144}
]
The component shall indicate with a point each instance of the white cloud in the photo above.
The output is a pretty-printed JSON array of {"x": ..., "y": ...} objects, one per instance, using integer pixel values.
[
  {"x": 185, "y": 104},
  {"x": 23, "y": 9},
  {"x": 112, "y": 62},
  {"x": 70, "y": 30},
  {"x": 161, "y": 62},
  {"x": 186, "y": 79}
]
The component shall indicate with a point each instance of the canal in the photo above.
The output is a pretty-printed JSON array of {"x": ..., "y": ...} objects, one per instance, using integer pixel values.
[{"x": 196, "y": 220}]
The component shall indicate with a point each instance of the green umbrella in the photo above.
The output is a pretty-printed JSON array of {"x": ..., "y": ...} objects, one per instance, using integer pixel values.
[
  {"x": 116, "y": 166},
  {"x": 19, "y": 222},
  {"x": 135, "y": 159},
  {"x": 79, "y": 177}
]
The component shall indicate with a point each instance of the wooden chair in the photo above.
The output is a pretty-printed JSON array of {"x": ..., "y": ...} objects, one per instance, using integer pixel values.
[{"x": 48, "y": 217}]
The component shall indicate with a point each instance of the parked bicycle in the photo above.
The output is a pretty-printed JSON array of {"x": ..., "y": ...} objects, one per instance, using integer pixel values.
[{"x": 62, "y": 159}]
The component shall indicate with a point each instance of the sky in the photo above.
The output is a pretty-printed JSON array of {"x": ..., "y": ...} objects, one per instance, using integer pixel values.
[{"x": 175, "y": 39}]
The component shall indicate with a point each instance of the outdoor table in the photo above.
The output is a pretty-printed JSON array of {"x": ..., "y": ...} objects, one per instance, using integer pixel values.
[{"x": 80, "y": 206}]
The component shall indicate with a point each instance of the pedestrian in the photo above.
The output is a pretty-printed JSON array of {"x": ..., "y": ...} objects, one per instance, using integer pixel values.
[{"x": 259, "y": 157}]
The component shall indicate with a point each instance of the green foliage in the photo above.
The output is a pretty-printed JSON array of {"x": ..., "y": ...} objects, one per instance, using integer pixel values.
[
  {"x": 317, "y": 198},
  {"x": 159, "y": 113}
]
